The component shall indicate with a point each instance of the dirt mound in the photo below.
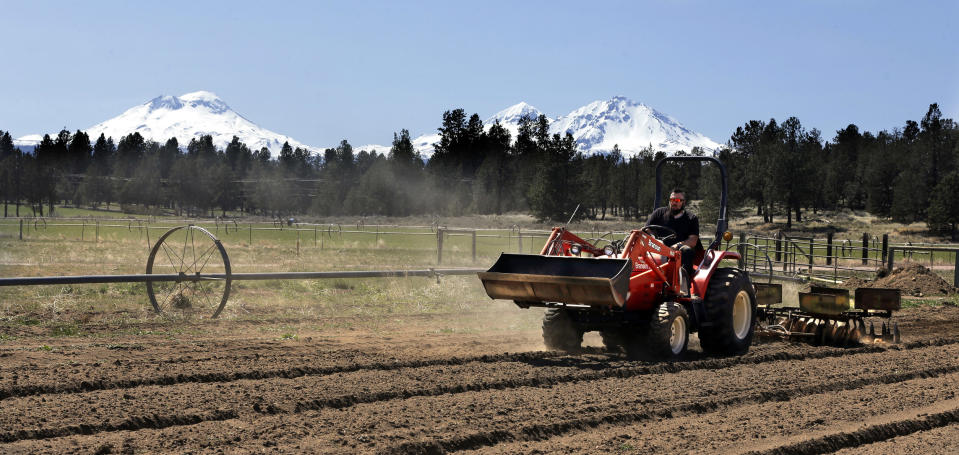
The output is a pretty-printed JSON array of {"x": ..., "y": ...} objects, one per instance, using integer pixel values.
[
  {"x": 856, "y": 282},
  {"x": 914, "y": 279}
]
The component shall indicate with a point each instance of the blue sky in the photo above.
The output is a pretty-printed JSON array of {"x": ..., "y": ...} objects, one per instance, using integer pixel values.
[{"x": 325, "y": 71}]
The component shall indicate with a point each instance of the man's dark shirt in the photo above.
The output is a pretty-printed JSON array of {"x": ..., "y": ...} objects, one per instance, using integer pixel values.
[{"x": 686, "y": 225}]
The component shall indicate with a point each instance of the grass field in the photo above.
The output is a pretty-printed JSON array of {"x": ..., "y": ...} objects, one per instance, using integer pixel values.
[{"x": 78, "y": 244}]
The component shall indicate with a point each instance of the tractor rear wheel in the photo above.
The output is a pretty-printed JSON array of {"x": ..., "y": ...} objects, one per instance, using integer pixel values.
[
  {"x": 560, "y": 332},
  {"x": 668, "y": 334},
  {"x": 730, "y": 313}
]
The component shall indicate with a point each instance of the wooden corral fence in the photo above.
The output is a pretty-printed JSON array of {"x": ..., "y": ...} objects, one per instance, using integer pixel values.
[{"x": 834, "y": 260}]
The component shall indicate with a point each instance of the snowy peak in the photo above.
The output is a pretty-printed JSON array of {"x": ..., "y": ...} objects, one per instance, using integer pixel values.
[
  {"x": 205, "y": 100},
  {"x": 513, "y": 114},
  {"x": 197, "y": 100},
  {"x": 187, "y": 117},
  {"x": 601, "y": 125},
  {"x": 171, "y": 103}
]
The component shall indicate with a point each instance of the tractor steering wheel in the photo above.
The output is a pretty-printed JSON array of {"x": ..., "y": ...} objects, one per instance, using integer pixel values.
[{"x": 661, "y": 233}]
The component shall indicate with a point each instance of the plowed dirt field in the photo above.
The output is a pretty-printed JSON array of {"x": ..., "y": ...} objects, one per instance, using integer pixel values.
[{"x": 403, "y": 386}]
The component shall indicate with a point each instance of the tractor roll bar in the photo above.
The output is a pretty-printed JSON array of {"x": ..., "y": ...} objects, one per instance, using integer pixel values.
[{"x": 721, "y": 224}]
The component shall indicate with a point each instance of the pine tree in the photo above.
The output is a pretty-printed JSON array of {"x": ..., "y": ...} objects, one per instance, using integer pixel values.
[
  {"x": 553, "y": 194},
  {"x": 103, "y": 155},
  {"x": 882, "y": 167},
  {"x": 42, "y": 185},
  {"x": 130, "y": 150},
  {"x": 80, "y": 152},
  {"x": 167, "y": 155},
  {"x": 9, "y": 169},
  {"x": 239, "y": 157},
  {"x": 943, "y": 210},
  {"x": 748, "y": 143},
  {"x": 6, "y": 145}
]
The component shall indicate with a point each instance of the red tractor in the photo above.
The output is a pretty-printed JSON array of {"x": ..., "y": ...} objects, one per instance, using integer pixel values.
[{"x": 635, "y": 292}]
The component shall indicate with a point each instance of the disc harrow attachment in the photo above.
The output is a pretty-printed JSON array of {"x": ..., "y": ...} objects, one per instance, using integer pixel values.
[{"x": 828, "y": 317}]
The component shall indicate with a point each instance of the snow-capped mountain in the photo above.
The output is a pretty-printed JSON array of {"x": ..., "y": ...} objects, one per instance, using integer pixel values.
[
  {"x": 600, "y": 125},
  {"x": 509, "y": 118},
  {"x": 187, "y": 117},
  {"x": 597, "y": 126},
  {"x": 27, "y": 143}
]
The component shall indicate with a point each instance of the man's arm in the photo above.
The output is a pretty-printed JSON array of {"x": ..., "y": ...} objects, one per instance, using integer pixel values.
[{"x": 694, "y": 232}]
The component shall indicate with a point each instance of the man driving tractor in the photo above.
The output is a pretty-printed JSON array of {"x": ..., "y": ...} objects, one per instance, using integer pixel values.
[{"x": 685, "y": 224}]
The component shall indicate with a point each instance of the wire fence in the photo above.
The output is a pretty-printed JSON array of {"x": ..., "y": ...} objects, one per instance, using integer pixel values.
[
  {"x": 781, "y": 256},
  {"x": 301, "y": 236}
]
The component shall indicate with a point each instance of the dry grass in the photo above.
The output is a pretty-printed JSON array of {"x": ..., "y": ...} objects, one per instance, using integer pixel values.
[{"x": 123, "y": 250}]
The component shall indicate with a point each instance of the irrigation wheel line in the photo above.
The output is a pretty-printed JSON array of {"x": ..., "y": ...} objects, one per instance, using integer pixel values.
[
  {"x": 188, "y": 273},
  {"x": 198, "y": 258}
]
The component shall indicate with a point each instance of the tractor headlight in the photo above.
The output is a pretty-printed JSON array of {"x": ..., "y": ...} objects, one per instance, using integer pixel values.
[
  {"x": 575, "y": 249},
  {"x": 608, "y": 250}
]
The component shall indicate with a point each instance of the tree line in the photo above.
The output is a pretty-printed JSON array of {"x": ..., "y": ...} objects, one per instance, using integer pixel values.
[{"x": 780, "y": 168}]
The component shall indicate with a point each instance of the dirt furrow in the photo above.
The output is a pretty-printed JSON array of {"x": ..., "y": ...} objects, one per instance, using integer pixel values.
[
  {"x": 131, "y": 424},
  {"x": 939, "y": 440},
  {"x": 755, "y": 427},
  {"x": 285, "y": 433},
  {"x": 535, "y": 432},
  {"x": 581, "y": 402},
  {"x": 865, "y": 436},
  {"x": 231, "y": 374}
]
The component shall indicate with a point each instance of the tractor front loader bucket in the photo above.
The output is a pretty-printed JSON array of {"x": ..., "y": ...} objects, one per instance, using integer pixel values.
[{"x": 530, "y": 279}]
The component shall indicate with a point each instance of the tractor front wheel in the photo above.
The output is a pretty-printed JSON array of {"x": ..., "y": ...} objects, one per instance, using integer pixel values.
[
  {"x": 560, "y": 332},
  {"x": 668, "y": 334},
  {"x": 730, "y": 313}
]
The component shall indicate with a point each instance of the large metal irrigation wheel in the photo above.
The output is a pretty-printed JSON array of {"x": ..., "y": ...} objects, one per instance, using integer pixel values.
[{"x": 201, "y": 282}]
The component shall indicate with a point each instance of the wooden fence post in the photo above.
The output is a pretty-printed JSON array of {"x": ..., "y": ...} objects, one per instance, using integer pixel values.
[
  {"x": 742, "y": 251},
  {"x": 829, "y": 248},
  {"x": 21, "y": 229},
  {"x": 519, "y": 239},
  {"x": 865, "y": 248},
  {"x": 439, "y": 246},
  {"x": 885, "y": 247},
  {"x": 812, "y": 249},
  {"x": 955, "y": 271},
  {"x": 779, "y": 245},
  {"x": 474, "y": 245}
]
